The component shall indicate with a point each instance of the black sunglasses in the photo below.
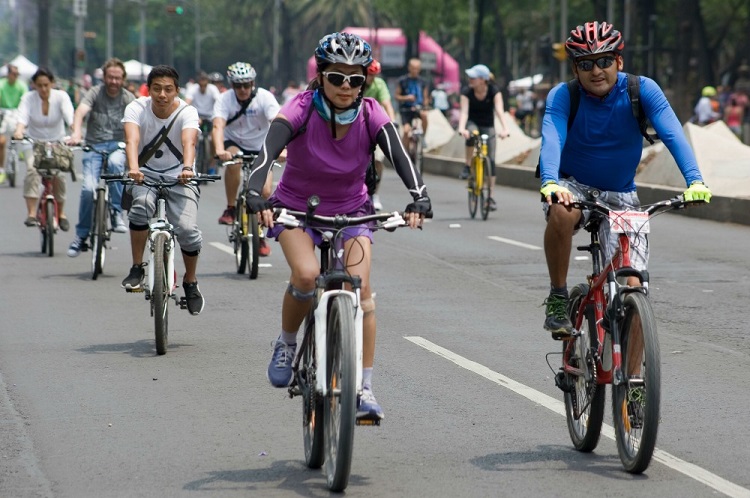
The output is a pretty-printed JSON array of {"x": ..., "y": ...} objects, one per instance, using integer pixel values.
[
  {"x": 338, "y": 79},
  {"x": 237, "y": 86},
  {"x": 602, "y": 62}
]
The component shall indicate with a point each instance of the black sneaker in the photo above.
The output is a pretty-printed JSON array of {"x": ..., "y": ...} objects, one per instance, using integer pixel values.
[
  {"x": 193, "y": 298},
  {"x": 491, "y": 204},
  {"x": 557, "y": 320},
  {"x": 134, "y": 280},
  {"x": 464, "y": 173}
]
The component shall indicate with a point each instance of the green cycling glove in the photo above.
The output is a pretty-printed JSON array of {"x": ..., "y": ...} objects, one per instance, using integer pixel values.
[
  {"x": 552, "y": 187},
  {"x": 697, "y": 191}
]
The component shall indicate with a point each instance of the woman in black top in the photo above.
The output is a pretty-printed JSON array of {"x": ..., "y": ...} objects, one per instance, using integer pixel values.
[{"x": 480, "y": 102}]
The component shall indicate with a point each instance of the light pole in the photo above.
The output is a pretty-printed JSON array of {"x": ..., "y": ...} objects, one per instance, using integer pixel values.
[
  {"x": 109, "y": 7},
  {"x": 197, "y": 36},
  {"x": 79, "y": 12}
]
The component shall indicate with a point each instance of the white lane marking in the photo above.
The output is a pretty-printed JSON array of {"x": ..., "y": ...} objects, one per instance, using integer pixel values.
[
  {"x": 230, "y": 250},
  {"x": 514, "y": 243},
  {"x": 691, "y": 470}
]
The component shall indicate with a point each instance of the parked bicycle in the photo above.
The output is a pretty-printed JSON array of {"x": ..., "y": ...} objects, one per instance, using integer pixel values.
[
  {"x": 614, "y": 342},
  {"x": 47, "y": 213},
  {"x": 415, "y": 145},
  {"x": 101, "y": 225},
  {"x": 328, "y": 365},
  {"x": 160, "y": 281},
  {"x": 479, "y": 176}
]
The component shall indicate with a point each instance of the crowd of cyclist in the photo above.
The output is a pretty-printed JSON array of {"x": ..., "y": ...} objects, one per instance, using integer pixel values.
[{"x": 327, "y": 135}]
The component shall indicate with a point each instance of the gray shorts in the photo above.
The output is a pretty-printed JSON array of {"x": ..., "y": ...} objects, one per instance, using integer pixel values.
[
  {"x": 614, "y": 200},
  {"x": 182, "y": 212}
]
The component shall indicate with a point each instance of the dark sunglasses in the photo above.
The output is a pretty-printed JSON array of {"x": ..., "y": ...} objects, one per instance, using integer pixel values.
[
  {"x": 246, "y": 86},
  {"x": 338, "y": 79},
  {"x": 602, "y": 62}
]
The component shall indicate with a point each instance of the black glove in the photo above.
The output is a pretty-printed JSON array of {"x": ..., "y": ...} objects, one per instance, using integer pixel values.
[
  {"x": 421, "y": 205},
  {"x": 256, "y": 203}
]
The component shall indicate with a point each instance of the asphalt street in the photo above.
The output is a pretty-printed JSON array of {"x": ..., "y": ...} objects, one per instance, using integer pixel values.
[{"x": 87, "y": 409}]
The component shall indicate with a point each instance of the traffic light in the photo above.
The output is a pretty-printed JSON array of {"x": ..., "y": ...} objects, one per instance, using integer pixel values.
[
  {"x": 175, "y": 9},
  {"x": 558, "y": 52}
]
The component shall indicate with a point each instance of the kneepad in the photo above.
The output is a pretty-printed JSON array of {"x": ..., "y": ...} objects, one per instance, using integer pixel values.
[
  {"x": 299, "y": 295},
  {"x": 368, "y": 305}
]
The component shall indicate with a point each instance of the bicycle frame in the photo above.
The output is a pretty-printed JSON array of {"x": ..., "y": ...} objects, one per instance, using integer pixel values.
[
  {"x": 159, "y": 225},
  {"x": 480, "y": 151}
]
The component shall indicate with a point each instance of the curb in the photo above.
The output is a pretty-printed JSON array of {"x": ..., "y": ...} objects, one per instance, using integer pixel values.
[{"x": 723, "y": 209}]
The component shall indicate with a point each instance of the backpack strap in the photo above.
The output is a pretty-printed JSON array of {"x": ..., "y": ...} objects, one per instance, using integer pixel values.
[
  {"x": 303, "y": 128},
  {"x": 243, "y": 108},
  {"x": 575, "y": 100},
  {"x": 634, "y": 92}
]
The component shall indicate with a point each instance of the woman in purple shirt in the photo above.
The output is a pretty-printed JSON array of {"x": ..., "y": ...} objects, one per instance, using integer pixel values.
[{"x": 329, "y": 132}]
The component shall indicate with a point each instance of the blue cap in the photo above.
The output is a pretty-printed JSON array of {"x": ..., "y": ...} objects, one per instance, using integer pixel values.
[{"x": 479, "y": 71}]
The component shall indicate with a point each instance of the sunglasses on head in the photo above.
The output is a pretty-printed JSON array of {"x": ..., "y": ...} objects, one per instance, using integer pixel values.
[
  {"x": 246, "y": 86},
  {"x": 338, "y": 79},
  {"x": 602, "y": 62}
]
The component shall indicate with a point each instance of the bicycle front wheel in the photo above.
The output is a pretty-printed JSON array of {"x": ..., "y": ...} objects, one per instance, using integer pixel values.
[
  {"x": 160, "y": 293},
  {"x": 99, "y": 236},
  {"x": 484, "y": 186},
  {"x": 635, "y": 403},
  {"x": 49, "y": 228},
  {"x": 584, "y": 399},
  {"x": 254, "y": 249},
  {"x": 341, "y": 404},
  {"x": 239, "y": 235},
  {"x": 473, "y": 187},
  {"x": 312, "y": 405}
]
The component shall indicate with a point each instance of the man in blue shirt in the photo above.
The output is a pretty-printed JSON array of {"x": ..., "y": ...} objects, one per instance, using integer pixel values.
[
  {"x": 413, "y": 97},
  {"x": 600, "y": 151}
]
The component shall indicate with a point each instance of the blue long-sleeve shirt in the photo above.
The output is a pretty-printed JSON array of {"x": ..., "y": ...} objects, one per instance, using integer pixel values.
[{"x": 603, "y": 147}]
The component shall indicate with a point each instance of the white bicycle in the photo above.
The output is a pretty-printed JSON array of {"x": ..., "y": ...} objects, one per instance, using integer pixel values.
[
  {"x": 161, "y": 278},
  {"x": 328, "y": 365}
]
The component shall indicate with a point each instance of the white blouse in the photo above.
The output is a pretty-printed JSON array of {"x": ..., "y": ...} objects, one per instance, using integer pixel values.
[{"x": 52, "y": 126}]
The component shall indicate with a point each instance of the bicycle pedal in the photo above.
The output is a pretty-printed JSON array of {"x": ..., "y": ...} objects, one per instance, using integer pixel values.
[
  {"x": 370, "y": 422},
  {"x": 139, "y": 289},
  {"x": 564, "y": 336},
  {"x": 182, "y": 303},
  {"x": 294, "y": 391}
]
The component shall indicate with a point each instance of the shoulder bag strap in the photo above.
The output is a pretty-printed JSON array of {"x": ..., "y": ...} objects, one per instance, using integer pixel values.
[{"x": 150, "y": 149}]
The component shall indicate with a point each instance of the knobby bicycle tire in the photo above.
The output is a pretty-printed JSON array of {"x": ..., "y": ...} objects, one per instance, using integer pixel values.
[
  {"x": 485, "y": 187},
  {"x": 160, "y": 293},
  {"x": 99, "y": 235},
  {"x": 49, "y": 228},
  {"x": 341, "y": 404},
  {"x": 636, "y": 403},
  {"x": 254, "y": 249},
  {"x": 313, "y": 419},
  {"x": 239, "y": 235},
  {"x": 586, "y": 429}
]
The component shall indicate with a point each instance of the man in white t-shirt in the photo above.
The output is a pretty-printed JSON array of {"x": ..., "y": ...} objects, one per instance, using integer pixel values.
[
  {"x": 242, "y": 117},
  {"x": 144, "y": 119},
  {"x": 203, "y": 97}
]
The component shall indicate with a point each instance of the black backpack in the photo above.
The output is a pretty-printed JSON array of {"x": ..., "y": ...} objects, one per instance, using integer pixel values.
[{"x": 634, "y": 92}]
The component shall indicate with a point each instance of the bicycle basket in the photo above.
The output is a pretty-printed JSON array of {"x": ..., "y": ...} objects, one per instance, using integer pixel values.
[{"x": 52, "y": 156}]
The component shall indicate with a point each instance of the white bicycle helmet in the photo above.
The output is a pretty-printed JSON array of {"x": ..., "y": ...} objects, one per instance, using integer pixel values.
[{"x": 241, "y": 72}]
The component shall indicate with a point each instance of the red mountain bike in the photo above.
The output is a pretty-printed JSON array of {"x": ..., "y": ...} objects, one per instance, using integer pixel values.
[{"x": 614, "y": 342}]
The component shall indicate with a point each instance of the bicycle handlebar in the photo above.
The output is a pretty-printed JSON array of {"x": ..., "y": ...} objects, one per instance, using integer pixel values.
[
  {"x": 161, "y": 183},
  {"x": 677, "y": 202},
  {"x": 302, "y": 219}
]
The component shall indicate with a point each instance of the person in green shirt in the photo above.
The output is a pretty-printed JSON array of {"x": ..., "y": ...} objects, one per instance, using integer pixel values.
[
  {"x": 11, "y": 91},
  {"x": 376, "y": 88}
]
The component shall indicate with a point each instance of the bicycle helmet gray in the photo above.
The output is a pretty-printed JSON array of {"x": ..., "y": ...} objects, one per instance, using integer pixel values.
[
  {"x": 594, "y": 38},
  {"x": 216, "y": 77},
  {"x": 344, "y": 48},
  {"x": 241, "y": 72}
]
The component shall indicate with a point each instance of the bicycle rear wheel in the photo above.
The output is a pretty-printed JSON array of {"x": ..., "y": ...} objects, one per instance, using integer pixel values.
[
  {"x": 239, "y": 235},
  {"x": 485, "y": 187},
  {"x": 584, "y": 401},
  {"x": 341, "y": 404},
  {"x": 99, "y": 235},
  {"x": 636, "y": 402},
  {"x": 312, "y": 405},
  {"x": 254, "y": 252},
  {"x": 160, "y": 293},
  {"x": 49, "y": 228}
]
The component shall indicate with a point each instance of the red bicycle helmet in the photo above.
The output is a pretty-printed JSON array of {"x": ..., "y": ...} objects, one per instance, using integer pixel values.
[
  {"x": 594, "y": 38},
  {"x": 374, "y": 67}
]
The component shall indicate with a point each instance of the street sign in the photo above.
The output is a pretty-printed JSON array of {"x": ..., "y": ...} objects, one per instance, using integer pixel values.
[
  {"x": 79, "y": 8},
  {"x": 392, "y": 55},
  {"x": 429, "y": 60}
]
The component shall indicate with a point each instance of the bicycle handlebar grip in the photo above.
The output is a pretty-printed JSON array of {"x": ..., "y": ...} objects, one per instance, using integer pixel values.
[
  {"x": 113, "y": 177},
  {"x": 207, "y": 177}
]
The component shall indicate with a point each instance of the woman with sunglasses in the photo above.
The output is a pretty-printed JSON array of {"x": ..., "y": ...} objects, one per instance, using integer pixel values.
[
  {"x": 330, "y": 131},
  {"x": 599, "y": 152}
]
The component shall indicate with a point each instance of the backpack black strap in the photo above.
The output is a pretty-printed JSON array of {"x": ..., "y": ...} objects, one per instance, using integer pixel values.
[
  {"x": 150, "y": 149},
  {"x": 242, "y": 110}
]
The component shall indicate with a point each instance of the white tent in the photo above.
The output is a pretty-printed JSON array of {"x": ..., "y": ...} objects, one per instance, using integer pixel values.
[
  {"x": 26, "y": 68},
  {"x": 133, "y": 69},
  {"x": 526, "y": 82}
]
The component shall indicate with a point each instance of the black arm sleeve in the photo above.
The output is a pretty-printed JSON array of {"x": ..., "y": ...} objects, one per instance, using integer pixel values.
[
  {"x": 390, "y": 144},
  {"x": 279, "y": 134}
]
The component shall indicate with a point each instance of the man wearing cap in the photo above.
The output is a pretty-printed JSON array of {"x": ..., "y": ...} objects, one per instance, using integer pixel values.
[
  {"x": 413, "y": 97},
  {"x": 480, "y": 102}
]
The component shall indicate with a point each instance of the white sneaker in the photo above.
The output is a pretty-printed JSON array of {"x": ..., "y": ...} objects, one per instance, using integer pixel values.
[
  {"x": 376, "y": 202},
  {"x": 118, "y": 225}
]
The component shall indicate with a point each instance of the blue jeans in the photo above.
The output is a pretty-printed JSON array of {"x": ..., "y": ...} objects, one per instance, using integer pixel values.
[{"x": 92, "y": 170}]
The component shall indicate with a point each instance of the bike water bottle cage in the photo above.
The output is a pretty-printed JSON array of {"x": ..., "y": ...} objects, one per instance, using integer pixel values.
[{"x": 298, "y": 294}]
